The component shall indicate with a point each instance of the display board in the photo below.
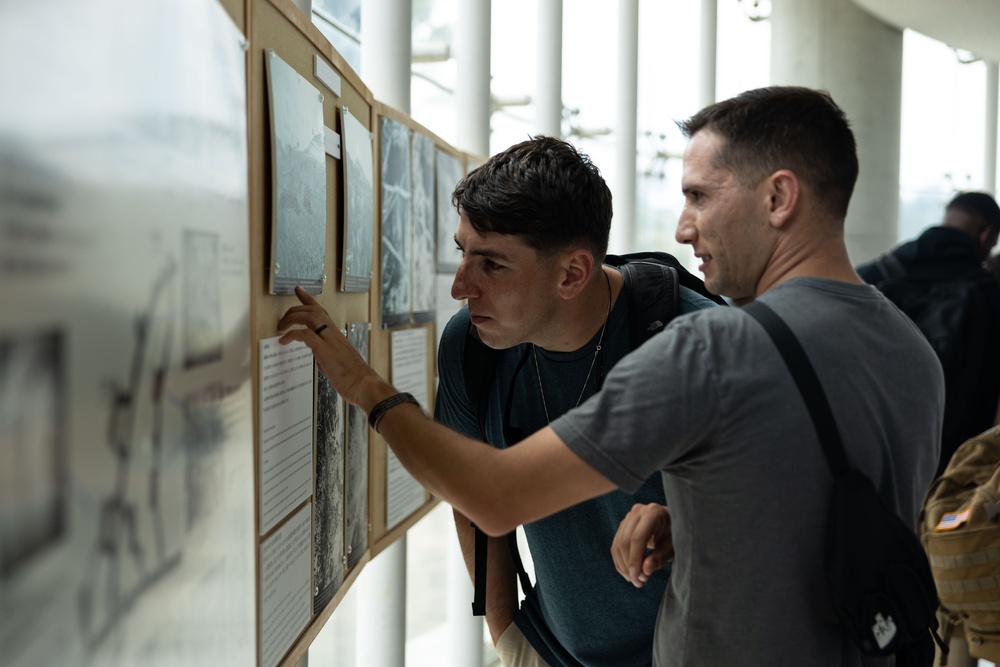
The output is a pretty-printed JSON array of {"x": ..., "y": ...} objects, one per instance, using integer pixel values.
[
  {"x": 126, "y": 469},
  {"x": 174, "y": 484},
  {"x": 321, "y": 478}
]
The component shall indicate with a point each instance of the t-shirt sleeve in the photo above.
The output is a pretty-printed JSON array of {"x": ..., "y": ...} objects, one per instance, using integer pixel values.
[
  {"x": 451, "y": 405},
  {"x": 656, "y": 407}
]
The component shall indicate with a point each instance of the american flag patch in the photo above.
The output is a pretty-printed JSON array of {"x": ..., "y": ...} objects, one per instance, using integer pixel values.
[{"x": 953, "y": 520}]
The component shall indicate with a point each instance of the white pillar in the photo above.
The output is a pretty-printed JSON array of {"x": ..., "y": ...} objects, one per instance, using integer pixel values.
[
  {"x": 381, "y": 630},
  {"x": 473, "y": 102},
  {"x": 990, "y": 157},
  {"x": 709, "y": 42},
  {"x": 386, "y": 52},
  {"x": 548, "y": 93},
  {"x": 387, "y": 49},
  {"x": 623, "y": 229},
  {"x": 474, "y": 106},
  {"x": 465, "y": 631},
  {"x": 837, "y": 46}
]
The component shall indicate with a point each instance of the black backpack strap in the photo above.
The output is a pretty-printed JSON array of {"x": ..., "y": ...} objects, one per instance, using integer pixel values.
[
  {"x": 479, "y": 580},
  {"x": 654, "y": 297},
  {"x": 807, "y": 382},
  {"x": 686, "y": 278},
  {"x": 518, "y": 565}
]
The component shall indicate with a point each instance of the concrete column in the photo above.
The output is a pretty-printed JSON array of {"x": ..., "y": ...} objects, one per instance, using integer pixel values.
[
  {"x": 474, "y": 106},
  {"x": 548, "y": 94},
  {"x": 990, "y": 157},
  {"x": 387, "y": 49},
  {"x": 707, "y": 61},
  {"x": 386, "y": 52},
  {"x": 465, "y": 631},
  {"x": 623, "y": 229},
  {"x": 381, "y": 630},
  {"x": 836, "y": 46},
  {"x": 473, "y": 101}
]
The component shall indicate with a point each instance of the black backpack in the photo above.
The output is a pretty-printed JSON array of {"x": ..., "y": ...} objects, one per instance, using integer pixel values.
[
  {"x": 654, "y": 284},
  {"x": 956, "y": 317}
]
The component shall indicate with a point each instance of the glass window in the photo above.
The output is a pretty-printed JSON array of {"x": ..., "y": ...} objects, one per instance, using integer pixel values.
[
  {"x": 943, "y": 130},
  {"x": 340, "y": 22}
]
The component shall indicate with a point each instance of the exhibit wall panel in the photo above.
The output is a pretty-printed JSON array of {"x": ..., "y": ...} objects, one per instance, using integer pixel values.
[
  {"x": 299, "y": 92},
  {"x": 403, "y": 350}
]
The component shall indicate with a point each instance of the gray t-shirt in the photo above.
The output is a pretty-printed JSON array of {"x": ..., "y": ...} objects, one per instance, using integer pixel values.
[{"x": 710, "y": 404}]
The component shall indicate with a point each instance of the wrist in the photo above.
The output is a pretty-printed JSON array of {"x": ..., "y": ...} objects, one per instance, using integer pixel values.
[
  {"x": 373, "y": 390},
  {"x": 384, "y": 406}
]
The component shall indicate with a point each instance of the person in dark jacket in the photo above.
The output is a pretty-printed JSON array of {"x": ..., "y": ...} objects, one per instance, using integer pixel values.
[{"x": 956, "y": 250}]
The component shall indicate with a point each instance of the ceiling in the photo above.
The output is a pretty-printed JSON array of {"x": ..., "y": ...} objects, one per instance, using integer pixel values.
[{"x": 972, "y": 25}]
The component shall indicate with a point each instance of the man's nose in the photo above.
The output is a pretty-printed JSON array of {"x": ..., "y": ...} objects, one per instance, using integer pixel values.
[
  {"x": 461, "y": 286},
  {"x": 685, "y": 232}
]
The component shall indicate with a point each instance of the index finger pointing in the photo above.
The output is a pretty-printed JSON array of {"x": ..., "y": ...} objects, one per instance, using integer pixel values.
[{"x": 305, "y": 297}]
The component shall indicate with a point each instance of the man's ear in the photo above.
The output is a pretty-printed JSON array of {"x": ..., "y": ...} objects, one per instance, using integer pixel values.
[
  {"x": 577, "y": 266},
  {"x": 783, "y": 191},
  {"x": 988, "y": 238}
]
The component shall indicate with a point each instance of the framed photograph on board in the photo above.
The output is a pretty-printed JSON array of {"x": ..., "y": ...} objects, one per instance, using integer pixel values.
[
  {"x": 298, "y": 234},
  {"x": 397, "y": 224},
  {"x": 424, "y": 294},
  {"x": 449, "y": 173},
  {"x": 359, "y": 204}
]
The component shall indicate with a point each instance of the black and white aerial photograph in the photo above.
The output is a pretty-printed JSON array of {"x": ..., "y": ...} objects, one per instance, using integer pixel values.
[
  {"x": 424, "y": 294},
  {"x": 33, "y": 448},
  {"x": 397, "y": 224},
  {"x": 202, "y": 309},
  {"x": 359, "y": 204},
  {"x": 298, "y": 234},
  {"x": 449, "y": 173},
  {"x": 328, "y": 505},
  {"x": 357, "y": 459}
]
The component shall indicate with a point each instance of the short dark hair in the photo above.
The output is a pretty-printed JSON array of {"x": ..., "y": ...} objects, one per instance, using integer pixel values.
[
  {"x": 785, "y": 127},
  {"x": 543, "y": 190},
  {"x": 979, "y": 204}
]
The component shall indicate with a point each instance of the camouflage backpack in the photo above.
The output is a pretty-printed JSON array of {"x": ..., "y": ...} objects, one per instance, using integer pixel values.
[{"x": 960, "y": 530}]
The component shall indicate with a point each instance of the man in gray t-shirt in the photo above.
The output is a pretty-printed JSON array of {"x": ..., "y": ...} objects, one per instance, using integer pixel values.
[{"x": 708, "y": 402}]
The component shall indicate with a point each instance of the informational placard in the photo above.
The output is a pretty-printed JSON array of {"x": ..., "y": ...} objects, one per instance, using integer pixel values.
[
  {"x": 284, "y": 587},
  {"x": 286, "y": 429},
  {"x": 408, "y": 347}
]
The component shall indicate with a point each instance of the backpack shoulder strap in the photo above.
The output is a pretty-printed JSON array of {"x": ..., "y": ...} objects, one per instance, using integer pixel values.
[{"x": 655, "y": 298}]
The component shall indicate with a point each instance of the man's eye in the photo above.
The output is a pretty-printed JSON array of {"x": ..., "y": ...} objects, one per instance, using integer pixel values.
[{"x": 491, "y": 265}]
